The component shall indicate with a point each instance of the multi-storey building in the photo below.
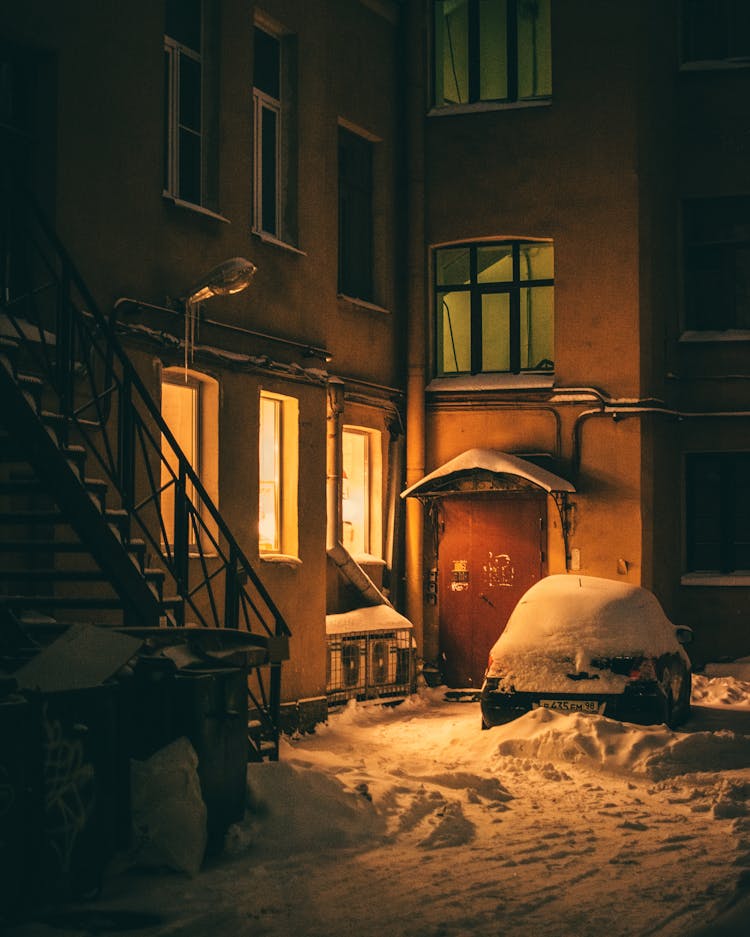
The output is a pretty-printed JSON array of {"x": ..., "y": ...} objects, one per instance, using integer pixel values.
[
  {"x": 585, "y": 192},
  {"x": 509, "y": 233}
]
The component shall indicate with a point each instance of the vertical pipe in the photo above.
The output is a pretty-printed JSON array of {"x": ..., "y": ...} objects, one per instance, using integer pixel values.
[
  {"x": 414, "y": 59},
  {"x": 334, "y": 459}
]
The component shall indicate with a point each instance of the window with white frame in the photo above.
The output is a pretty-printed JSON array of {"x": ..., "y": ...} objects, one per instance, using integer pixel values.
[
  {"x": 491, "y": 50},
  {"x": 716, "y": 32},
  {"x": 278, "y": 459},
  {"x": 189, "y": 406},
  {"x": 189, "y": 105},
  {"x": 494, "y": 307},
  {"x": 360, "y": 491},
  {"x": 717, "y": 263},
  {"x": 274, "y": 196}
]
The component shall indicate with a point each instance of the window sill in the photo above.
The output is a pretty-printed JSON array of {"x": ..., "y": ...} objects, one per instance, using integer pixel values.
[
  {"x": 715, "y": 65},
  {"x": 715, "y": 579},
  {"x": 192, "y": 207},
  {"x": 362, "y": 303},
  {"x": 709, "y": 335},
  {"x": 281, "y": 559},
  {"x": 284, "y": 245},
  {"x": 480, "y": 107},
  {"x": 531, "y": 381},
  {"x": 367, "y": 559}
]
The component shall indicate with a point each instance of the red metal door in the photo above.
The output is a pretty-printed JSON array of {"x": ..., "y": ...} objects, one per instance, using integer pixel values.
[{"x": 490, "y": 553}]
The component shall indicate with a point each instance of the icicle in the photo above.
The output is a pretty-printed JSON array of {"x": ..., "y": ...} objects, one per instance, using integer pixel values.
[{"x": 192, "y": 312}]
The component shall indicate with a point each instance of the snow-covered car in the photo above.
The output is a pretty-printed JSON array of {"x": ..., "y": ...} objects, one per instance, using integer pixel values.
[{"x": 583, "y": 644}]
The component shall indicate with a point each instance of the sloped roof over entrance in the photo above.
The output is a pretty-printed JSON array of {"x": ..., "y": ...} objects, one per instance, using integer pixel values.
[{"x": 488, "y": 460}]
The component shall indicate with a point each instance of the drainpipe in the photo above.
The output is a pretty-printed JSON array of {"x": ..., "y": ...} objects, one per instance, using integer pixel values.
[
  {"x": 415, "y": 102},
  {"x": 337, "y": 552}
]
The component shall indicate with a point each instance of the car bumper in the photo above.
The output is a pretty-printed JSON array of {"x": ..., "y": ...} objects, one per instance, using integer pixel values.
[{"x": 644, "y": 706}]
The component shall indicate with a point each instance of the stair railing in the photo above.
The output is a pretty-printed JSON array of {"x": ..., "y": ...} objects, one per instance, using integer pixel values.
[{"x": 49, "y": 311}]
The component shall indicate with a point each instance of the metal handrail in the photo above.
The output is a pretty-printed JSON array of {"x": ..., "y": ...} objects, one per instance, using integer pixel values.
[{"x": 100, "y": 393}]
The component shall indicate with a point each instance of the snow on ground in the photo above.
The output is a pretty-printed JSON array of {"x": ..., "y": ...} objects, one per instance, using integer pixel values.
[{"x": 410, "y": 821}]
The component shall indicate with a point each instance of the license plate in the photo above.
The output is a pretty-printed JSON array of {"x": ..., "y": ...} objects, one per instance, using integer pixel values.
[{"x": 572, "y": 705}]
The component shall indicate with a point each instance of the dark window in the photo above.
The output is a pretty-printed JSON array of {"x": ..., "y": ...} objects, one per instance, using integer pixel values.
[
  {"x": 718, "y": 511},
  {"x": 274, "y": 127},
  {"x": 491, "y": 50},
  {"x": 494, "y": 307},
  {"x": 717, "y": 263},
  {"x": 183, "y": 106},
  {"x": 715, "y": 30},
  {"x": 355, "y": 215}
]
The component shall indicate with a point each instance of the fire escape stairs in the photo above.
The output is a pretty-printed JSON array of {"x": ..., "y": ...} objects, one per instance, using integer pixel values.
[
  {"x": 87, "y": 465},
  {"x": 44, "y": 493}
]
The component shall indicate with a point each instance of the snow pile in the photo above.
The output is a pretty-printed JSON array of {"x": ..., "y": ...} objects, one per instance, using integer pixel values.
[
  {"x": 302, "y": 809},
  {"x": 654, "y": 751},
  {"x": 721, "y": 691},
  {"x": 564, "y": 623}
]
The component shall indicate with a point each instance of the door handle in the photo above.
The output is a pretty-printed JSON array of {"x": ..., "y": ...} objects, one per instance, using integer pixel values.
[{"x": 485, "y": 599}]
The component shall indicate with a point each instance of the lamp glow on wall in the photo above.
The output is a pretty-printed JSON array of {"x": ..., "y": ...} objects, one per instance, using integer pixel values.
[{"x": 231, "y": 276}]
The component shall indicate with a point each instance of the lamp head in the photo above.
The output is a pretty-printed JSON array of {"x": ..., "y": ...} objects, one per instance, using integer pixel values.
[{"x": 231, "y": 276}]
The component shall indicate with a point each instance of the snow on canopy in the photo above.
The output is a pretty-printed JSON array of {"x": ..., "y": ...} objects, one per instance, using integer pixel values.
[
  {"x": 565, "y": 621},
  {"x": 371, "y": 618},
  {"x": 497, "y": 462}
]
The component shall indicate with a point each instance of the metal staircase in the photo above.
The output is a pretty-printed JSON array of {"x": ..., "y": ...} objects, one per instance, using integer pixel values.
[{"x": 86, "y": 466}]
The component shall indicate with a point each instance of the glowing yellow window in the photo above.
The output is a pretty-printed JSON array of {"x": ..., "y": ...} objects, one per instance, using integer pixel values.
[
  {"x": 278, "y": 472},
  {"x": 360, "y": 501}
]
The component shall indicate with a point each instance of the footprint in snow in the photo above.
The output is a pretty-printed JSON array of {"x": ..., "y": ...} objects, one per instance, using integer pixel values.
[{"x": 452, "y": 829}]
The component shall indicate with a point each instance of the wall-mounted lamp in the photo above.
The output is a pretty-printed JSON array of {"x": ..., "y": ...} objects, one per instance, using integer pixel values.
[{"x": 231, "y": 276}]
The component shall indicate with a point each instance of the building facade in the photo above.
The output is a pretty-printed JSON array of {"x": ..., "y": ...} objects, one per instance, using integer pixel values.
[{"x": 500, "y": 252}]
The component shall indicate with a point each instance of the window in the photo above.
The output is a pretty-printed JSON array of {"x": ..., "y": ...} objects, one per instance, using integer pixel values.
[
  {"x": 189, "y": 405},
  {"x": 355, "y": 215},
  {"x": 494, "y": 307},
  {"x": 360, "y": 493},
  {"x": 189, "y": 158},
  {"x": 273, "y": 125},
  {"x": 716, "y": 31},
  {"x": 491, "y": 50},
  {"x": 278, "y": 473},
  {"x": 717, "y": 263},
  {"x": 718, "y": 512}
]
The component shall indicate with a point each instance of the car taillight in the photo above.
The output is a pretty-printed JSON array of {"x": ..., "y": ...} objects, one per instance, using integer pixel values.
[{"x": 645, "y": 670}]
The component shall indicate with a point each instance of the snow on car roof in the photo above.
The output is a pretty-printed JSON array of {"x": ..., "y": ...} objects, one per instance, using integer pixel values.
[{"x": 563, "y": 613}]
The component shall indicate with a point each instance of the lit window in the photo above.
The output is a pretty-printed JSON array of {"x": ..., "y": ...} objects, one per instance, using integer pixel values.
[
  {"x": 278, "y": 474},
  {"x": 360, "y": 493},
  {"x": 189, "y": 115},
  {"x": 716, "y": 31},
  {"x": 494, "y": 307},
  {"x": 273, "y": 124},
  {"x": 717, "y": 263},
  {"x": 189, "y": 406},
  {"x": 491, "y": 50},
  {"x": 718, "y": 512},
  {"x": 355, "y": 215}
]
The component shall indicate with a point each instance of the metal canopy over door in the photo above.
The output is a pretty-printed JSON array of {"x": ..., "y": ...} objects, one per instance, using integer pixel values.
[{"x": 491, "y": 551}]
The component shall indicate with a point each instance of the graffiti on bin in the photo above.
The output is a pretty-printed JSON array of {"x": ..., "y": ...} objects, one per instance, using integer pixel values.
[{"x": 68, "y": 790}]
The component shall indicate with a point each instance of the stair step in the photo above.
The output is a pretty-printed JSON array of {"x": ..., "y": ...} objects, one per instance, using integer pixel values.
[
  {"x": 52, "y": 575},
  {"x": 136, "y": 547},
  {"x": 60, "y": 601}
]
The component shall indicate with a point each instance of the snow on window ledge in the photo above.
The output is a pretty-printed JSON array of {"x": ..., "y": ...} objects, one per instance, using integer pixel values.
[
  {"x": 710, "y": 335},
  {"x": 282, "y": 559},
  {"x": 368, "y": 559},
  {"x": 362, "y": 303},
  {"x": 715, "y": 579},
  {"x": 492, "y": 382}
]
